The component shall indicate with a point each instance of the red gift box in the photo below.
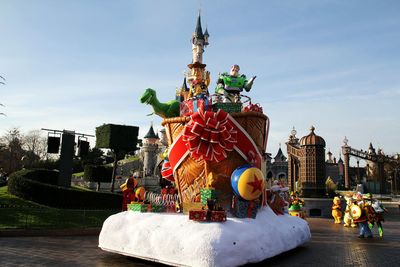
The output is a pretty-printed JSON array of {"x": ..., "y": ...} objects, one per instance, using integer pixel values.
[
  {"x": 218, "y": 216},
  {"x": 190, "y": 106},
  {"x": 198, "y": 215}
]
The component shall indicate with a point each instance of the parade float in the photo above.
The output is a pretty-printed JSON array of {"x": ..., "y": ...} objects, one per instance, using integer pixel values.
[{"x": 218, "y": 213}]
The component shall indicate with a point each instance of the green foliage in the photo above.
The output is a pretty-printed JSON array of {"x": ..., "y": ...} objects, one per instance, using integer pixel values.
[
  {"x": 60, "y": 197},
  {"x": 117, "y": 137},
  {"x": 99, "y": 174}
]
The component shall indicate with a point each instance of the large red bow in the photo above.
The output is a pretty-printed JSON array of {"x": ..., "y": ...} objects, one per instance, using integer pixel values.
[{"x": 209, "y": 135}]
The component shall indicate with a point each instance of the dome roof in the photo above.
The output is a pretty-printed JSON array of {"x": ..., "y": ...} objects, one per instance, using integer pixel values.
[{"x": 312, "y": 139}]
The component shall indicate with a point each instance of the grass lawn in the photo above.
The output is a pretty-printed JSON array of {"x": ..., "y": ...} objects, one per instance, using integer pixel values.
[{"x": 18, "y": 213}]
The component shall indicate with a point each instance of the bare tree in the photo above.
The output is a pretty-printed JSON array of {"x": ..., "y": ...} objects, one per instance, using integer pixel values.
[
  {"x": 11, "y": 152},
  {"x": 36, "y": 143}
]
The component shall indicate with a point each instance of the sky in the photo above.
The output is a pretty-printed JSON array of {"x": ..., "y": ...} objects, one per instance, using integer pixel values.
[{"x": 75, "y": 65}]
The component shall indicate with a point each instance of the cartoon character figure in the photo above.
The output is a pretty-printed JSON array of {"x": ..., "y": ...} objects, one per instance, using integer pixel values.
[
  {"x": 376, "y": 212},
  {"x": 347, "y": 219},
  {"x": 276, "y": 202},
  {"x": 128, "y": 192},
  {"x": 359, "y": 213},
  {"x": 232, "y": 84},
  {"x": 337, "y": 210},
  {"x": 294, "y": 197},
  {"x": 199, "y": 82},
  {"x": 284, "y": 194}
]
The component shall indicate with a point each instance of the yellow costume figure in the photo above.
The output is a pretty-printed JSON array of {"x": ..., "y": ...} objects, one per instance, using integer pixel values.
[
  {"x": 347, "y": 219},
  {"x": 337, "y": 210}
]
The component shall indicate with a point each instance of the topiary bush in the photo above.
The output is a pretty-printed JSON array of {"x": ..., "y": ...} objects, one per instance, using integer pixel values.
[
  {"x": 22, "y": 185},
  {"x": 117, "y": 137}
]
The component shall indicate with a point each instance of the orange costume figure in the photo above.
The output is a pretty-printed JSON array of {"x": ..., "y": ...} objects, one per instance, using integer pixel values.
[{"x": 128, "y": 192}]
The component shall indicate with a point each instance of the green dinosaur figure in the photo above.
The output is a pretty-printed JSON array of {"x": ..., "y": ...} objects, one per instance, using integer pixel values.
[{"x": 164, "y": 110}]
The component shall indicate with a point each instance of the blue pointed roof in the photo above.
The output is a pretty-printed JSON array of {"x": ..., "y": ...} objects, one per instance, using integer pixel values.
[
  {"x": 151, "y": 133},
  {"x": 199, "y": 31}
]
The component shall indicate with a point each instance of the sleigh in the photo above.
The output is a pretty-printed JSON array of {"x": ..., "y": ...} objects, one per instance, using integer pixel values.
[{"x": 193, "y": 171}]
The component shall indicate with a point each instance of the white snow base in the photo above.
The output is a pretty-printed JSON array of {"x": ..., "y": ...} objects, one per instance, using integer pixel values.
[{"x": 175, "y": 240}]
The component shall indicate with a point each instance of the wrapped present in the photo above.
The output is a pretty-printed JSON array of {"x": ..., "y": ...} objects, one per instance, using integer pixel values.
[
  {"x": 245, "y": 209},
  {"x": 207, "y": 193},
  {"x": 198, "y": 215},
  {"x": 138, "y": 207},
  {"x": 190, "y": 106},
  {"x": 227, "y": 107},
  {"x": 187, "y": 206},
  {"x": 218, "y": 216}
]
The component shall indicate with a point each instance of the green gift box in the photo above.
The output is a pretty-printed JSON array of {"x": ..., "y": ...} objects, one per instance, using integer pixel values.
[
  {"x": 137, "y": 207},
  {"x": 228, "y": 107},
  {"x": 206, "y": 193}
]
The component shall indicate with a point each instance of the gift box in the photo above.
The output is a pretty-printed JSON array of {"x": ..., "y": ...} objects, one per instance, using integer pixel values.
[
  {"x": 138, "y": 207},
  {"x": 218, "y": 216},
  {"x": 198, "y": 215},
  {"x": 207, "y": 193},
  {"x": 187, "y": 206},
  {"x": 245, "y": 209},
  {"x": 227, "y": 107},
  {"x": 190, "y": 106}
]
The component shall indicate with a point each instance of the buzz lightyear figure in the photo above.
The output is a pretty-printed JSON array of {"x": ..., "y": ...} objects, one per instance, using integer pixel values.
[{"x": 232, "y": 84}]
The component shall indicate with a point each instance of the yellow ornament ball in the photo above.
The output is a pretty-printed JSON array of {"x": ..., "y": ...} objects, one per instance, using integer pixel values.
[{"x": 251, "y": 183}]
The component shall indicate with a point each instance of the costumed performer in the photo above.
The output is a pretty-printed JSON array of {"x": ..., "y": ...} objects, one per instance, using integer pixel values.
[
  {"x": 347, "y": 219},
  {"x": 376, "y": 213},
  {"x": 337, "y": 210},
  {"x": 362, "y": 220}
]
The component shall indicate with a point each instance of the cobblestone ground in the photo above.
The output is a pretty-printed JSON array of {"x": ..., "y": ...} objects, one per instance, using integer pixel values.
[{"x": 331, "y": 245}]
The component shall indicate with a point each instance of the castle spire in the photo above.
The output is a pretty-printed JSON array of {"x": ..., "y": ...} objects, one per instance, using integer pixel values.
[
  {"x": 199, "y": 41},
  {"x": 199, "y": 31}
]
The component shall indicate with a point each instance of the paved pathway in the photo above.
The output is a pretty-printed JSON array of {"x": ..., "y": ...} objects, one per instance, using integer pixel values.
[{"x": 331, "y": 245}]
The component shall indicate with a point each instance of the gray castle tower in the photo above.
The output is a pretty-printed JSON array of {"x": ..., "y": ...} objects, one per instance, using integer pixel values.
[{"x": 149, "y": 152}]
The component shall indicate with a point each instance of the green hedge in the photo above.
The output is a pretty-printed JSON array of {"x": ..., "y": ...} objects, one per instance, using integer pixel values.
[
  {"x": 41, "y": 175},
  {"x": 54, "y": 196}
]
